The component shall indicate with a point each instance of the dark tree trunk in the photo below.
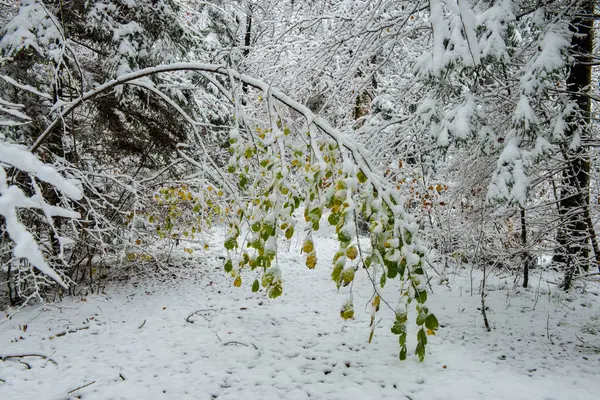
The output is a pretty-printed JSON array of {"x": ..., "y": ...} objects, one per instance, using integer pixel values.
[
  {"x": 576, "y": 230},
  {"x": 526, "y": 255},
  {"x": 247, "y": 41}
]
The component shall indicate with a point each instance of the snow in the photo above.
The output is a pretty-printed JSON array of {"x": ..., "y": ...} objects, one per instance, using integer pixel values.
[
  {"x": 19, "y": 157},
  {"x": 133, "y": 341},
  {"x": 31, "y": 28},
  {"x": 550, "y": 59},
  {"x": 12, "y": 198}
]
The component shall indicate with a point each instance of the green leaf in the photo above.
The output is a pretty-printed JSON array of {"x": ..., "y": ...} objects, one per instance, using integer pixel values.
[
  {"x": 431, "y": 322},
  {"x": 398, "y": 328},
  {"x": 421, "y": 297},
  {"x": 230, "y": 243},
  {"x": 269, "y": 230},
  {"x": 333, "y": 219},
  {"x": 275, "y": 291},
  {"x": 344, "y": 237},
  {"x": 420, "y": 351},
  {"x": 361, "y": 177},
  {"x": 315, "y": 214},
  {"x": 255, "y": 286},
  {"x": 289, "y": 232},
  {"x": 421, "y": 317},
  {"x": 337, "y": 272},
  {"x": 256, "y": 227},
  {"x": 403, "y": 318},
  {"x": 382, "y": 281},
  {"x": 402, "y": 339},
  {"x": 243, "y": 181},
  {"x": 403, "y": 353},
  {"x": 422, "y": 336},
  {"x": 392, "y": 270},
  {"x": 228, "y": 266}
]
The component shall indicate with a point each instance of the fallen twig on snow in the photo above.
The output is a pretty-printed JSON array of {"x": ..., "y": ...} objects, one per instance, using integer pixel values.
[
  {"x": 81, "y": 387},
  {"x": 72, "y": 330},
  {"x": 236, "y": 343},
  {"x": 239, "y": 343},
  {"x": 141, "y": 326},
  {"x": 198, "y": 313},
  {"x": 16, "y": 356}
]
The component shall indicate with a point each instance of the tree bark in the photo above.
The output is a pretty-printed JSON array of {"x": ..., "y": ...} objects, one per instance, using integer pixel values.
[
  {"x": 526, "y": 255},
  {"x": 574, "y": 201},
  {"x": 247, "y": 41}
]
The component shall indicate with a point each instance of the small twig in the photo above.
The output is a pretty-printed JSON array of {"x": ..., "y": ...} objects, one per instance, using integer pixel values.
[
  {"x": 485, "y": 319},
  {"x": 72, "y": 330},
  {"x": 198, "y": 313},
  {"x": 142, "y": 325},
  {"x": 121, "y": 376},
  {"x": 548, "y": 329},
  {"x": 25, "y": 364},
  {"x": 2, "y": 380},
  {"x": 236, "y": 343},
  {"x": 81, "y": 387},
  {"x": 239, "y": 343},
  {"x": 4, "y": 358}
]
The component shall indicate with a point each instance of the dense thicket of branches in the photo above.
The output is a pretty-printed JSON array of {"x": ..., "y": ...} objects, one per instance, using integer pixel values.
[{"x": 457, "y": 131}]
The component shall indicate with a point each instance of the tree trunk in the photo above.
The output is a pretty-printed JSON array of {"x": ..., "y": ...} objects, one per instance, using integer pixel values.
[
  {"x": 574, "y": 201},
  {"x": 247, "y": 42},
  {"x": 526, "y": 255}
]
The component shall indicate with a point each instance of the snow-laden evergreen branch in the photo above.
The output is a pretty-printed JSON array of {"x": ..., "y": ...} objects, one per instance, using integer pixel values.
[{"x": 12, "y": 198}]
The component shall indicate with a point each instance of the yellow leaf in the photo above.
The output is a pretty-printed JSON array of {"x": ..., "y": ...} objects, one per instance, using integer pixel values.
[
  {"x": 238, "y": 281},
  {"x": 430, "y": 332},
  {"x": 308, "y": 247},
  {"x": 376, "y": 302},
  {"x": 348, "y": 276},
  {"x": 351, "y": 252},
  {"x": 311, "y": 261},
  {"x": 347, "y": 314}
]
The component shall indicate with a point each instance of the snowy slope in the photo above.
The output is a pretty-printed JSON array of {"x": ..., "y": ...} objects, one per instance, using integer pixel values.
[{"x": 136, "y": 342}]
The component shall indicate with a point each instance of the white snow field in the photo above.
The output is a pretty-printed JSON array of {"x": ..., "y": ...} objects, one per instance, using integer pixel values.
[{"x": 134, "y": 341}]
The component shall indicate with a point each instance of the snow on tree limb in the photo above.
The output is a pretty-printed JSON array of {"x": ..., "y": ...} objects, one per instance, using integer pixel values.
[{"x": 13, "y": 198}]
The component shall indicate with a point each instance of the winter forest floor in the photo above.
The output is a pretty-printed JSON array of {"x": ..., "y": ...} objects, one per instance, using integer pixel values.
[{"x": 134, "y": 341}]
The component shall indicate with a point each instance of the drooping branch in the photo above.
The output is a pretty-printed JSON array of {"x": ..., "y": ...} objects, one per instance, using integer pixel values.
[{"x": 357, "y": 151}]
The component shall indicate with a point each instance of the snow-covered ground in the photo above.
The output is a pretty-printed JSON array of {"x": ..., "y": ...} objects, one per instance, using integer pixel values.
[{"x": 135, "y": 343}]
